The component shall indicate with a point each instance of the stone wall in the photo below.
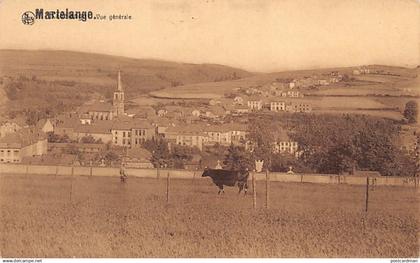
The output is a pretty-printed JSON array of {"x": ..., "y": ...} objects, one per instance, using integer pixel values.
[{"x": 186, "y": 174}]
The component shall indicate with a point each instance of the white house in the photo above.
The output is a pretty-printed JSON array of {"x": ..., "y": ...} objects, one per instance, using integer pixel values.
[{"x": 277, "y": 106}]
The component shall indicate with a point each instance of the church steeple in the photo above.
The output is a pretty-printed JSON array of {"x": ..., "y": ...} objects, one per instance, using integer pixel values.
[
  {"x": 119, "y": 85},
  {"x": 118, "y": 99}
]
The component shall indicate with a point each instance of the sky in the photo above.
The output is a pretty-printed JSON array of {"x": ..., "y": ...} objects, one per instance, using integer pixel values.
[{"x": 256, "y": 35}]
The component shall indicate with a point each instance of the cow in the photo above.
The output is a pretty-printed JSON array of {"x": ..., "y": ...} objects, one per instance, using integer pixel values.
[{"x": 229, "y": 178}]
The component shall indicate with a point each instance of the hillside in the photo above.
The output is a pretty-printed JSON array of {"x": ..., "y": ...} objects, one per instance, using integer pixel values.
[
  {"x": 385, "y": 84},
  {"x": 32, "y": 78},
  {"x": 97, "y": 69}
]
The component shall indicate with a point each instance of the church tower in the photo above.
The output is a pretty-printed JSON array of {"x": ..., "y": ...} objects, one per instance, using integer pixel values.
[{"x": 118, "y": 99}]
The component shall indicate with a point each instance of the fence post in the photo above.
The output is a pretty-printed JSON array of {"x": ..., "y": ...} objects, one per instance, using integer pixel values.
[
  {"x": 91, "y": 171},
  {"x": 167, "y": 189},
  {"x": 157, "y": 171},
  {"x": 254, "y": 191},
  {"x": 71, "y": 182},
  {"x": 367, "y": 194},
  {"x": 56, "y": 171},
  {"x": 267, "y": 190}
]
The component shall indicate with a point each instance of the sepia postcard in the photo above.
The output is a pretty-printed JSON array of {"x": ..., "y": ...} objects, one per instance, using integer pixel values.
[{"x": 222, "y": 129}]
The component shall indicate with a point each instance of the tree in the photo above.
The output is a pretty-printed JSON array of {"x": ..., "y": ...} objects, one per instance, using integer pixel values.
[
  {"x": 237, "y": 159},
  {"x": 111, "y": 157},
  {"x": 160, "y": 151},
  {"x": 261, "y": 138},
  {"x": 340, "y": 144},
  {"x": 88, "y": 139},
  {"x": 411, "y": 111}
]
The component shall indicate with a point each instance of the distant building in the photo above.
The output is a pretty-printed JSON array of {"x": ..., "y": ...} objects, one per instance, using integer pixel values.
[
  {"x": 215, "y": 112},
  {"x": 99, "y": 130},
  {"x": 292, "y": 85},
  {"x": 196, "y": 113},
  {"x": 214, "y": 102},
  {"x": 45, "y": 125},
  {"x": 255, "y": 104},
  {"x": 131, "y": 133},
  {"x": 9, "y": 127},
  {"x": 65, "y": 126},
  {"x": 101, "y": 110},
  {"x": 192, "y": 135},
  {"x": 143, "y": 112},
  {"x": 85, "y": 119},
  {"x": 240, "y": 109},
  {"x": 277, "y": 106},
  {"x": 283, "y": 143},
  {"x": 118, "y": 99},
  {"x": 323, "y": 82},
  {"x": 294, "y": 94},
  {"x": 162, "y": 112},
  {"x": 238, "y": 100},
  {"x": 23, "y": 143},
  {"x": 225, "y": 134},
  {"x": 298, "y": 107}
]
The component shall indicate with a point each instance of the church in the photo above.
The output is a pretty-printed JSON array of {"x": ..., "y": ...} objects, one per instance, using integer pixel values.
[{"x": 100, "y": 110}]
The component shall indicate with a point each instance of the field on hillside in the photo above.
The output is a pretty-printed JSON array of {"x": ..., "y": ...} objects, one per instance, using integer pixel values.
[{"x": 47, "y": 216}]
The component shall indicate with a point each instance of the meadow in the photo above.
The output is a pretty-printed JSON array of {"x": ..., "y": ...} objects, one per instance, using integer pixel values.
[{"x": 48, "y": 216}]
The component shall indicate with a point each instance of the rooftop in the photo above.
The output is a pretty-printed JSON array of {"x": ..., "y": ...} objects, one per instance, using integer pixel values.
[{"x": 22, "y": 138}]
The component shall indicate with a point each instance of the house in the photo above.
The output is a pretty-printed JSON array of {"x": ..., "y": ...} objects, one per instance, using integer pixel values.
[
  {"x": 131, "y": 133},
  {"x": 292, "y": 85},
  {"x": 45, "y": 125},
  {"x": 65, "y": 126},
  {"x": 283, "y": 143},
  {"x": 196, "y": 113},
  {"x": 99, "y": 130},
  {"x": 85, "y": 119},
  {"x": 162, "y": 112},
  {"x": 255, "y": 103},
  {"x": 191, "y": 135},
  {"x": 177, "y": 112},
  {"x": 240, "y": 109},
  {"x": 214, "y": 112},
  {"x": 143, "y": 112},
  {"x": 161, "y": 125},
  {"x": 9, "y": 127},
  {"x": 25, "y": 142},
  {"x": 214, "y": 102},
  {"x": 294, "y": 94},
  {"x": 138, "y": 158},
  {"x": 217, "y": 134},
  {"x": 237, "y": 132},
  {"x": 277, "y": 106},
  {"x": 300, "y": 106},
  {"x": 238, "y": 100},
  {"x": 225, "y": 134},
  {"x": 323, "y": 82},
  {"x": 98, "y": 110}
]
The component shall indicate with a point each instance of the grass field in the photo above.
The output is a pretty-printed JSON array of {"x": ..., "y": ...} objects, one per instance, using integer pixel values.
[{"x": 104, "y": 218}]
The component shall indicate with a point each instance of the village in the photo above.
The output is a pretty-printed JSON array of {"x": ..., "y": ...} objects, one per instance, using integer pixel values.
[{"x": 108, "y": 133}]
